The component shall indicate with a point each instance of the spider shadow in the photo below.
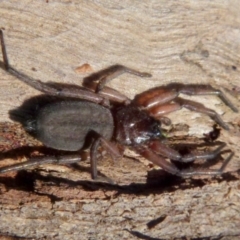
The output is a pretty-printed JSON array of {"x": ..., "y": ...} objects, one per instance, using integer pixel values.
[{"x": 157, "y": 181}]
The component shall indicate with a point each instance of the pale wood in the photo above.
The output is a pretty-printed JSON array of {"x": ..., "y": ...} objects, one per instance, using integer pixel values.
[{"x": 176, "y": 41}]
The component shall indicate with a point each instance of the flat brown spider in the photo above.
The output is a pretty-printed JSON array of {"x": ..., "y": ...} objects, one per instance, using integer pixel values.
[{"x": 98, "y": 115}]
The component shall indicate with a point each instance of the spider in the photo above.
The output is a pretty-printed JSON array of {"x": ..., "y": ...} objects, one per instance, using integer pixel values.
[{"x": 95, "y": 114}]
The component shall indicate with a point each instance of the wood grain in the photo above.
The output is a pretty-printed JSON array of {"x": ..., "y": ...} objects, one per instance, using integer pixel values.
[{"x": 176, "y": 41}]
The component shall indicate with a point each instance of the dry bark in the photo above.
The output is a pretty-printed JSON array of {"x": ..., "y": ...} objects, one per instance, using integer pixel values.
[{"x": 176, "y": 41}]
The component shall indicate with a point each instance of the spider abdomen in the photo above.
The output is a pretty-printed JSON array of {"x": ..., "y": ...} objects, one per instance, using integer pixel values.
[{"x": 67, "y": 125}]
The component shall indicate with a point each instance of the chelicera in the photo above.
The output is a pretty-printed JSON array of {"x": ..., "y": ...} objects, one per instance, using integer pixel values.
[{"x": 94, "y": 114}]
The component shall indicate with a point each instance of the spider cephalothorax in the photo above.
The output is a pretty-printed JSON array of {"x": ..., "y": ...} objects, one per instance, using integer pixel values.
[{"x": 134, "y": 126}]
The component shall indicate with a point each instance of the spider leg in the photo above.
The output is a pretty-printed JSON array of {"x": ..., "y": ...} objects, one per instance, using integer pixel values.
[
  {"x": 155, "y": 97},
  {"x": 201, "y": 89},
  {"x": 63, "y": 91},
  {"x": 4, "y": 52},
  {"x": 171, "y": 168},
  {"x": 108, "y": 93},
  {"x": 158, "y": 160},
  {"x": 164, "y": 150},
  {"x": 198, "y": 107},
  {"x": 35, "y": 161},
  {"x": 163, "y": 100},
  {"x": 111, "y": 148},
  {"x": 97, "y": 81},
  {"x": 106, "y": 75},
  {"x": 165, "y": 94},
  {"x": 159, "y": 110}
]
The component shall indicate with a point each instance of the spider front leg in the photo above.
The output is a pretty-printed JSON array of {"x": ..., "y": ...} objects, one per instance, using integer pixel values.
[
  {"x": 154, "y": 150},
  {"x": 163, "y": 100},
  {"x": 163, "y": 150},
  {"x": 97, "y": 81}
]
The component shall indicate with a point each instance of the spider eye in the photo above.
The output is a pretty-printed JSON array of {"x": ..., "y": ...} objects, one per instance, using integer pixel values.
[{"x": 156, "y": 130}]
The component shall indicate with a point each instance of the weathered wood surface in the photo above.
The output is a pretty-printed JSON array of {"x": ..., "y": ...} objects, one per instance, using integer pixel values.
[{"x": 176, "y": 41}]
